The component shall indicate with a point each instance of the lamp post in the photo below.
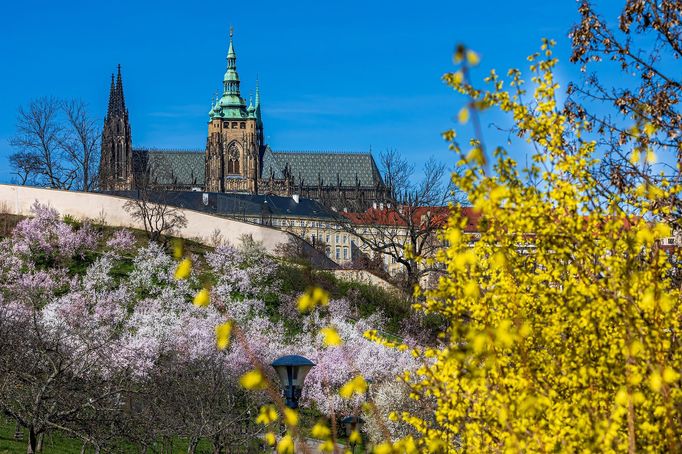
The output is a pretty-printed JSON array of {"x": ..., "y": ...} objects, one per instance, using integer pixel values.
[
  {"x": 292, "y": 370},
  {"x": 351, "y": 423}
]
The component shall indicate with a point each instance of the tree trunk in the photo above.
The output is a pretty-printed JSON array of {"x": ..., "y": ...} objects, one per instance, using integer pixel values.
[
  {"x": 39, "y": 446},
  {"x": 32, "y": 441},
  {"x": 18, "y": 433},
  {"x": 85, "y": 444},
  {"x": 192, "y": 447},
  {"x": 217, "y": 445}
]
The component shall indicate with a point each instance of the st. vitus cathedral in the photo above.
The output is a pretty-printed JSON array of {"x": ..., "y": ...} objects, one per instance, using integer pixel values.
[{"x": 236, "y": 157}]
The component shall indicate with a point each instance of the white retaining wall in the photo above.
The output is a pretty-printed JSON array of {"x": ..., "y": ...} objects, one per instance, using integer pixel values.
[
  {"x": 109, "y": 209},
  {"x": 365, "y": 277}
]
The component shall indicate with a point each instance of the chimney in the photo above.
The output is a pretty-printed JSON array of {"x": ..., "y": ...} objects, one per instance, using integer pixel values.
[
  {"x": 296, "y": 198},
  {"x": 374, "y": 205}
]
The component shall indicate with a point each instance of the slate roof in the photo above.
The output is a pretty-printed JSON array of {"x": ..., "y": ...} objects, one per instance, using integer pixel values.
[
  {"x": 236, "y": 205},
  {"x": 175, "y": 167},
  {"x": 311, "y": 165},
  {"x": 187, "y": 167}
]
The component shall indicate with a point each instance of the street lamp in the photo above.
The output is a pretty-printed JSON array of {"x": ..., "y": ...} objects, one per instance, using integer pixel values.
[
  {"x": 351, "y": 423},
  {"x": 292, "y": 370}
]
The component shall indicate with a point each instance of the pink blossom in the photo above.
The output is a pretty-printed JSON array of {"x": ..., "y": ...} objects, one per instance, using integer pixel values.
[{"x": 121, "y": 240}]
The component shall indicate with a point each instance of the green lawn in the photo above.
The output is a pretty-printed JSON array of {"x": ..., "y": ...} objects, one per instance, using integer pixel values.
[{"x": 56, "y": 443}]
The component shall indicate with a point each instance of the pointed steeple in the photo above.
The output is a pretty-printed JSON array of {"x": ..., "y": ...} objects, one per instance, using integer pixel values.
[
  {"x": 231, "y": 79},
  {"x": 257, "y": 92},
  {"x": 120, "y": 106},
  {"x": 257, "y": 106},
  {"x": 116, "y": 165},
  {"x": 112, "y": 95},
  {"x": 231, "y": 104}
]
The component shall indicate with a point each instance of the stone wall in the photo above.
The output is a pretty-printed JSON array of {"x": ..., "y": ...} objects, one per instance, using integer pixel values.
[
  {"x": 109, "y": 210},
  {"x": 365, "y": 277}
]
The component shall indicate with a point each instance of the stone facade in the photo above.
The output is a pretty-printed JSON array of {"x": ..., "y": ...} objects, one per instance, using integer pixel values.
[
  {"x": 236, "y": 158},
  {"x": 116, "y": 162}
]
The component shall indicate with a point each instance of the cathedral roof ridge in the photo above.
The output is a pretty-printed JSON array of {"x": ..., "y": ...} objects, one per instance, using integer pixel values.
[
  {"x": 170, "y": 150},
  {"x": 334, "y": 152}
]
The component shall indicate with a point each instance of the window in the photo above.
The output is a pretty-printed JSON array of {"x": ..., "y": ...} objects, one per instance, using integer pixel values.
[
  {"x": 345, "y": 253},
  {"x": 328, "y": 238},
  {"x": 233, "y": 158},
  {"x": 345, "y": 239},
  {"x": 242, "y": 125},
  {"x": 337, "y": 238},
  {"x": 338, "y": 253},
  {"x": 234, "y": 125}
]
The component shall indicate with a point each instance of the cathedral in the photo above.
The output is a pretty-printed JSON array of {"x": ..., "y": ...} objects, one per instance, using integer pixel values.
[{"x": 236, "y": 158}]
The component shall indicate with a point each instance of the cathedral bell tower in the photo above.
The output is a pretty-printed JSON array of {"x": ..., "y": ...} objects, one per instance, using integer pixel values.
[
  {"x": 116, "y": 161},
  {"x": 235, "y": 136}
]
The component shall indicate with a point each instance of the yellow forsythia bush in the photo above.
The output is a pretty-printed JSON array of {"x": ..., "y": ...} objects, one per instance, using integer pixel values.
[{"x": 564, "y": 326}]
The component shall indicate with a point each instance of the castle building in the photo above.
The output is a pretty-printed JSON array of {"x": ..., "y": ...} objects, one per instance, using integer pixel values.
[{"x": 236, "y": 158}]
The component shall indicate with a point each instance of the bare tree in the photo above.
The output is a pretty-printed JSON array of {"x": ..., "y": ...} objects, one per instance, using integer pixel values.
[
  {"x": 404, "y": 229},
  {"x": 25, "y": 165},
  {"x": 38, "y": 141},
  {"x": 155, "y": 209},
  {"x": 56, "y": 145},
  {"x": 156, "y": 212},
  {"x": 645, "y": 46},
  {"x": 80, "y": 143}
]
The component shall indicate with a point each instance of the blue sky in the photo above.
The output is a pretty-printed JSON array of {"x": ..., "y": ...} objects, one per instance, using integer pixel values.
[{"x": 334, "y": 75}]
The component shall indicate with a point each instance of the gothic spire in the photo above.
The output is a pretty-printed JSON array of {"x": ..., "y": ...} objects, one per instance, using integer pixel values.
[
  {"x": 120, "y": 106},
  {"x": 231, "y": 79},
  {"x": 112, "y": 95}
]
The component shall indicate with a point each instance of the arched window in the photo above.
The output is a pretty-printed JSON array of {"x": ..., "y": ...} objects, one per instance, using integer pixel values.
[{"x": 233, "y": 159}]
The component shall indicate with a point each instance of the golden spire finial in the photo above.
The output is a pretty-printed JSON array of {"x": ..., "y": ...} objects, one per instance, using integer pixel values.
[{"x": 231, "y": 31}]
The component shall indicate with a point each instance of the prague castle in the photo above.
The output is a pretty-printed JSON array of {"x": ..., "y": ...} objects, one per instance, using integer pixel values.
[{"x": 236, "y": 158}]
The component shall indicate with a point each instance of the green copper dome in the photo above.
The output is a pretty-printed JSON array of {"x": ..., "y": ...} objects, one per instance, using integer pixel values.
[{"x": 231, "y": 104}]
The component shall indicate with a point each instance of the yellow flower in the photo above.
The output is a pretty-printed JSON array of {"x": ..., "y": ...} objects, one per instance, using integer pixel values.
[
  {"x": 650, "y": 156},
  {"x": 463, "y": 115},
  {"x": 183, "y": 269},
  {"x": 383, "y": 448},
  {"x": 472, "y": 58},
  {"x": 285, "y": 445},
  {"x": 670, "y": 375},
  {"x": 270, "y": 438},
  {"x": 331, "y": 337},
  {"x": 475, "y": 155},
  {"x": 222, "y": 335},
  {"x": 313, "y": 298},
  {"x": 252, "y": 380},
  {"x": 320, "y": 430},
  {"x": 355, "y": 437},
  {"x": 656, "y": 381},
  {"x": 202, "y": 298},
  {"x": 267, "y": 415},
  {"x": 290, "y": 417},
  {"x": 177, "y": 248},
  {"x": 327, "y": 446},
  {"x": 356, "y": 385}
]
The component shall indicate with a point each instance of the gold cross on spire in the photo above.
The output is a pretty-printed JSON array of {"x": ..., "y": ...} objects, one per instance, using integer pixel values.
[{"x": 231, "y": 31}]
